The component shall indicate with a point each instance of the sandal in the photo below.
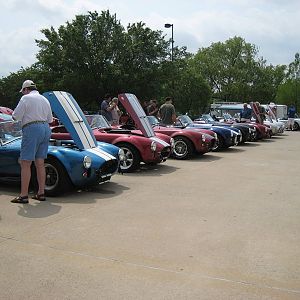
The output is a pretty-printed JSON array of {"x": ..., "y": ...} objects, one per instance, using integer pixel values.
[
  {"x": 40, "y": 197},
  {"x": 20, "y": 199}
]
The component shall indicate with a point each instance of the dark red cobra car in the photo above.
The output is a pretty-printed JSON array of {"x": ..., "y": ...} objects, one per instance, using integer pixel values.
[
  {"x": 146, "y": 146},
  {"x": 187, "y": 142}
]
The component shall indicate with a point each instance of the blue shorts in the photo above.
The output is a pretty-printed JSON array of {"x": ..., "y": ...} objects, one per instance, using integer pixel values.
[{"x": 35, "y": 141}]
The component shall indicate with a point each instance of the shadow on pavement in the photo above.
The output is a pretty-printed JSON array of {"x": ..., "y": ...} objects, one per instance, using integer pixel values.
[
  {"x": 38, "y": 209},
  {"x": 278, "y": 137},
  {"x": 153, "y": 170},
  {"x": 271, "y": 140},
  {"x": 234, "y": 149},
  {"x": 249, "y": 144}
]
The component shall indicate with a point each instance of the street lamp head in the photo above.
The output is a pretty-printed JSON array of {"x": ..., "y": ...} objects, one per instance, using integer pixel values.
[{"x": 168, "y": 25}]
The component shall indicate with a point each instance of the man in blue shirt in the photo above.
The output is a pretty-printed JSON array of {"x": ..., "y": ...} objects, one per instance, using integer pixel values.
[
  {"x": 246, "y": 113},
  {"x": 291, "y": 117}
]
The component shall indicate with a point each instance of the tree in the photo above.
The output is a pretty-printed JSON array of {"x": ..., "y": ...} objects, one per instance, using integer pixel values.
[
  {"x": 10, "y": 85},
  {"x": 190, "y": 91},
  {"x": 236, "y": 74},
  {"x": 82, "y": 56},
  {"x": 94, "y": 55}
]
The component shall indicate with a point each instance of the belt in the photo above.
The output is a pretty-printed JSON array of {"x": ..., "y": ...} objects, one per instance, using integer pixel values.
[{"x": 33, "y": 122}]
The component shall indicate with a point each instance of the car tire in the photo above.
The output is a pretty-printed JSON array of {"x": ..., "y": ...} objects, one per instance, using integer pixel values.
[
  {"x": 183, "y": 148},
  {"x": 220, "y": 143},
  {"x": 133, "y": 158},
  {"x": 296, "y": 126},
  {"x": 57, "y": 179}
]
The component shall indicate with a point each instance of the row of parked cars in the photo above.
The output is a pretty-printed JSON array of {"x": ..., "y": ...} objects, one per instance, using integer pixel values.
[{"x": 86, "y": 150}]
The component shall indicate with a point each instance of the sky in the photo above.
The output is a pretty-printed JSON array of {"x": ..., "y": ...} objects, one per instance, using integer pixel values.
[{"x": 273, "y": 26}]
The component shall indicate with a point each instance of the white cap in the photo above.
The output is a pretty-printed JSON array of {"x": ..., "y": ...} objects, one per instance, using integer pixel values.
[{"x": 26, "y": 84}]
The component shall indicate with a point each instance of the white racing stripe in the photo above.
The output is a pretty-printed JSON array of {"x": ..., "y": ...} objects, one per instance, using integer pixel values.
[
  {"x": 139, "y": 111},
  {"x": 76, "y": 118},
  {"x": 97, "y": 151},
  {"x": 158, "y": 140}
]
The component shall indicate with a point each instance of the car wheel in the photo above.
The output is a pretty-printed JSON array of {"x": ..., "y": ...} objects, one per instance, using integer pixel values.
[
  {"x": 254, "y": 137},
  {"x": 183, "y": 148},
  {"x": 296, "y": 126},
  {"x": 132, "y": 158},
  {"x": 57, "y": 179},
  {"x": 220, "y": 144}
]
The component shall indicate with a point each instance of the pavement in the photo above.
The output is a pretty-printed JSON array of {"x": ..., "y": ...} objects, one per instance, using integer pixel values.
[{"x": 224, "y": 225}]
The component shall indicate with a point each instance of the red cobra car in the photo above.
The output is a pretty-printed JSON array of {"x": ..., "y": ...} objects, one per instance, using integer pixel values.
[
  {"x": 151, "y": 149},
  {"x": 187, "y": 142}
]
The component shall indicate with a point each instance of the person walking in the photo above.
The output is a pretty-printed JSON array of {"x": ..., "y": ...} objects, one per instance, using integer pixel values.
[
  {"x": 291, "y": 117},
  {"x": 34, "y": 112},
  {"x": 167, "y": 113}
]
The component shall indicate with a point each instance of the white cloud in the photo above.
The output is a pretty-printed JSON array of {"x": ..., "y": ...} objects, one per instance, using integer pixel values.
[{"x": 271, "y": 25}]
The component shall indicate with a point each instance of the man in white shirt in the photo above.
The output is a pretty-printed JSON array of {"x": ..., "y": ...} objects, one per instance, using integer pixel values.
[{"x": 34, "y": 112}]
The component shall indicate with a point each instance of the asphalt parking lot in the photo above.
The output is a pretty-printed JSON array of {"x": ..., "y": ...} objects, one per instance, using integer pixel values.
[{"x": 222, "y": 226}]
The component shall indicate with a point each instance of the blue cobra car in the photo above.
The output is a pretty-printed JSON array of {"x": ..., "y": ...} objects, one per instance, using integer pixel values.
[
  {"x": 78, "y": 163},
  {"x": 227, "y": 137}
]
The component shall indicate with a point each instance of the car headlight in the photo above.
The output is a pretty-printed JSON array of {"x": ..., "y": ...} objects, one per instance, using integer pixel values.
[
  {"x": 215, "y": 136},
  {"x": 153, "y": 146},
  {"x": 121, "y": 155},
  {"x": 203, "y": 138},
  {"x": 172, "y": 143},
  {"x": 231, "y": 133},
  {"x": 87, "y": 162}
]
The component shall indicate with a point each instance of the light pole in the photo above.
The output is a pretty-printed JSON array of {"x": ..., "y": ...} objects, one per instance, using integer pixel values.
[
  {"x": 297, "y": 91},
  {"x": 168, "y": 25}
]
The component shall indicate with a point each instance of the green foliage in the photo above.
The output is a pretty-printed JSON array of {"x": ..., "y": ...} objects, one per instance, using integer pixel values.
[
  {"x": 10, "y": 86},
  {"x": 236, "y": 74},
  {"x": 190, "y": 91},
  {"x": 289, "y": 91}
]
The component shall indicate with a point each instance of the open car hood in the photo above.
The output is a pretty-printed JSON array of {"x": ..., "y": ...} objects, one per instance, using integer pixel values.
[
  {"x": 134, "y": 108},
  {"x": 255, "y": 110},
  {"x": 70, "y": 114}
]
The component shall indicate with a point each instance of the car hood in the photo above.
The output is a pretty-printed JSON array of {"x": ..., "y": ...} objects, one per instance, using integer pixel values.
[
  {"x": 70, "y": 114},
  {"x": 134, "y": 108},
  {"x": 6, "y": 110}
]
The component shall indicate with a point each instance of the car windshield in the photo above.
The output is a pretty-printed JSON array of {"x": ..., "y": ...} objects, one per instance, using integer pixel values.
[
  {"x": 153, "y": 120},
  {"x": 10, "y": 130},
  {"x": 208, "y": 118},
  {"x": 184, "y": 119},
  {"x": 97, "y": 121},
  {"x": 227, "y": 117}
]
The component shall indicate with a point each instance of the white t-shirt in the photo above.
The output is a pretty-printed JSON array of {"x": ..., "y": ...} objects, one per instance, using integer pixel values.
[{"x": 33, "y": 107}]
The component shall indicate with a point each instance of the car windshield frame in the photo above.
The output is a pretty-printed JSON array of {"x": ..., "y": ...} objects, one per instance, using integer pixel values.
[
  {"x": 185, "y": 119},
  {"x": 98, "y": 122},
  {"x": 153, "y": 120},
  {"x": 208, "y": 117}
]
